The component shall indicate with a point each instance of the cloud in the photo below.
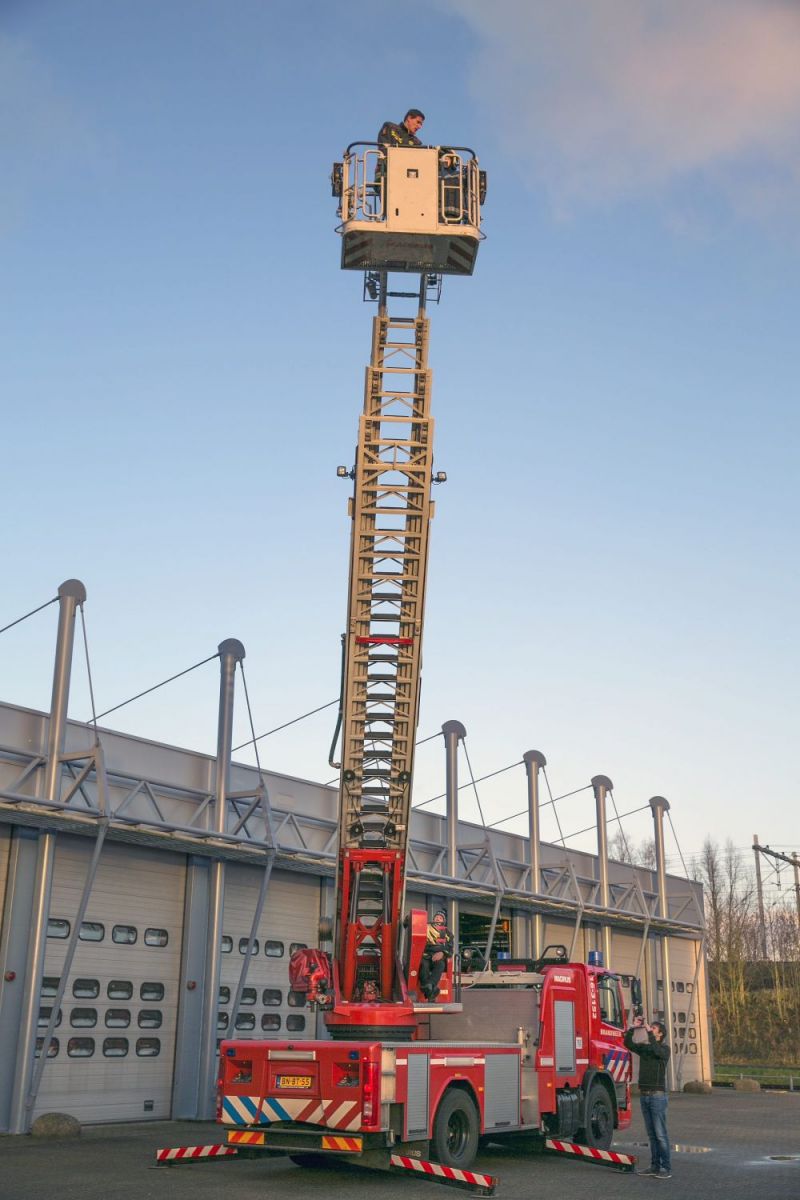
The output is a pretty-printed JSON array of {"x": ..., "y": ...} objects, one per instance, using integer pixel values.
[
  {"x": 42, "y": 133},
  {"x": 602, "y": 99}
]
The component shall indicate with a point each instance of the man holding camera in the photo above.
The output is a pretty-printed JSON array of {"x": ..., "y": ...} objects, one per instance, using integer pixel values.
[{"x": 649, "y": 1042}]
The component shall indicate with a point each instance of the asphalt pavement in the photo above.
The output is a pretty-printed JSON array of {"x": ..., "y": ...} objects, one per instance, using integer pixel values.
[{"x": 728, "y": 1144}]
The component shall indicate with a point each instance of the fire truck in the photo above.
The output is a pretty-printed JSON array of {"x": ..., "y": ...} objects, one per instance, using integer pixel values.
[{"x": 398, "y": 1074}]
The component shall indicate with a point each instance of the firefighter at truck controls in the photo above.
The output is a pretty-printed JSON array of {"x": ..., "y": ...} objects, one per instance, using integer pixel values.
[
  {"x": 404, "y": 134},
  {"x": 438, "y": 949},
  {"x": 653, "y": 1061}
]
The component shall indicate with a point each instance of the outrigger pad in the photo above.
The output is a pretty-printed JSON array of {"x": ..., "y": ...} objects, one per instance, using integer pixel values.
[
  {"x": 470, "y": 1181},
  {"x": 608, "y": 1158}
]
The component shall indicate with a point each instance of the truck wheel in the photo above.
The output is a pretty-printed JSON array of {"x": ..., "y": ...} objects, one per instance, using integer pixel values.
[
  {"x": 455, "y": 1130},
  {"x": 309, "y": 1160},
  {"x": 599, "y": 1131}
]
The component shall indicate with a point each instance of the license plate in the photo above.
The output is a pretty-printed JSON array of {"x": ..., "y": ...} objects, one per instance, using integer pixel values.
[{"x": 293, "y": 1081}]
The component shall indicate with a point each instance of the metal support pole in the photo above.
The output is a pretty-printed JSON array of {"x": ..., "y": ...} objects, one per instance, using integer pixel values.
[
  {"x": 659, "y": 806},
  {"x": 231, "y": 652},
  {"x": 762, "y": 920},
  {"x": 71, "y": 593},
  {"x": 453, "y": 732},
  {"x": 534, "y": 761},
  {"x": 601, "y": 785},
  {"x": 796, "y": 868}
]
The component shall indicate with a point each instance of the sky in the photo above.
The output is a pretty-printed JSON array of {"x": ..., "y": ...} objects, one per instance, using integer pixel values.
[{"x": 613, "y": 573}]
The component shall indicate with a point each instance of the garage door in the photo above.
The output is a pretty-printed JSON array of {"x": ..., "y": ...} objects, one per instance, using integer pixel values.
[
  {"x": 558, "y": 933},
  {"x": 115, "y": 1042},
  {"x": 687, "y": 1033},
  {"x": 290, "y": 920}
]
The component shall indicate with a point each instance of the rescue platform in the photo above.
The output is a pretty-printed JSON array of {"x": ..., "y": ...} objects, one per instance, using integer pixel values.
[{"x": 411, "y": 209}]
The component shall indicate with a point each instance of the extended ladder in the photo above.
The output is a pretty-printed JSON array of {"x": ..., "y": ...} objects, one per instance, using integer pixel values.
[{"x": 391, "y": 510}]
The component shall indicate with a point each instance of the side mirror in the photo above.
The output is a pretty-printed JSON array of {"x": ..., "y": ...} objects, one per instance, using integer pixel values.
[{"x": 636, "y": 996}]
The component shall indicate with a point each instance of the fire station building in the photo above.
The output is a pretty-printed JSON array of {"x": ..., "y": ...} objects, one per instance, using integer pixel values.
[{"x": 108, "y": 857}]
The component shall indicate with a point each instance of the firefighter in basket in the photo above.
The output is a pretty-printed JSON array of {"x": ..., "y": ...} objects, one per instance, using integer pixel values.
[{"x": 438, "y": 949}]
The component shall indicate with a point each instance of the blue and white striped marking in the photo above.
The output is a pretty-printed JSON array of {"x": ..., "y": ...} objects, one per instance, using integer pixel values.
[
  {"x": 618, "y": 1065},
  {"x": 250, "y": 1110}
]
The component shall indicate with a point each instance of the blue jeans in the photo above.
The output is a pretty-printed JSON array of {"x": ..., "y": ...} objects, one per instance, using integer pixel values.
[{"x": 654, "y": 1111}]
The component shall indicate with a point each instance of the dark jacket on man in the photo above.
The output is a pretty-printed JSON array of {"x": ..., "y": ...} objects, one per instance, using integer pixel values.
[
  {"x": 653, "y": 1060},
  {"x": 396, "y": 135}
]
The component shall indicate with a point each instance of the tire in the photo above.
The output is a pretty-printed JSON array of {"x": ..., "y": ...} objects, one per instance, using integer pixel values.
[
  {"x": 455, "y": 1131},
  {"x": 309, "y": 1160},
  {"x": 599, "y": 1130}
]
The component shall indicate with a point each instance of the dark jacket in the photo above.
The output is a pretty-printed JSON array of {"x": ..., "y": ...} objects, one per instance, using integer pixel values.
[
  {"x": 396, "y": 135},
  {"x": 653, "y": 1059},
  {"x": 439, "y": 940}
]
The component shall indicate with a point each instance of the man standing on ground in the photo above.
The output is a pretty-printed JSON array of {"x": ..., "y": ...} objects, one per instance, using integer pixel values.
[{"x": 653, "y": 1061}]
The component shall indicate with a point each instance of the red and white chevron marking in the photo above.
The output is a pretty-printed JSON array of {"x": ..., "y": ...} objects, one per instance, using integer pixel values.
[
  {"x": 612, "y": 1157},
  {"x": 471, "y": 1179},
  {"x": 177, "y": 1153}
]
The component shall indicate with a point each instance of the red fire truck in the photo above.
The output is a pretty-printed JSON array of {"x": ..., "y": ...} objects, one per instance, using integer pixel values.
[
  {"x": 557, "y": 1068},
  {"x": 527, "y": 1051}
]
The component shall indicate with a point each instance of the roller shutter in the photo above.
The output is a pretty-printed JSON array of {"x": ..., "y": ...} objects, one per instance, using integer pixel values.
[
  {"x": 116, "y": 1038},
  {"x": 687, "y": 1018},
  {"x": 290, "y": 919}
]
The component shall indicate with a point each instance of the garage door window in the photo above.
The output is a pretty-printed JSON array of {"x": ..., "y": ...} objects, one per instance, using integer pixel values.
[
  {"x": 56, "y": 928},
  {"x": 270, "y": 1022},
  {"x": 295, "y": 1023},
  {"x": 151, "y": 991},
  {"x": 246, "y": 1021},
  {"x": 115, "y": 1047},
  {"x": 49, "y": 986},
  {"x": 249, "y": 995},
  {"x": 92, "y": 931},
  {"x": 150, "y": 1018},
  {"x": 83, "y": 1018},
  {"x": 222, "y": 1020},
  {"x": 80, "y": 1047},
  {"x": 297, "y": 946},
  {"x": 118, "y": 1018},
  {"x": 86, "y": 989},
  {"x": 44, "y": 1017},
  {"x": 155, "y": 937},
  {"x": 52, "y": 1049},
  {"x": 271, "y": 997},
  {"x": 243, "y": 944},
  {"x": 124, "y": 935},
  {"x": 120, "y": 989},
  {"x": 273, "y": 949},
  {"x": 297, "y": 999},
  {"x": 148, "y": 1047},
  {"x": 227, "y": 944}
]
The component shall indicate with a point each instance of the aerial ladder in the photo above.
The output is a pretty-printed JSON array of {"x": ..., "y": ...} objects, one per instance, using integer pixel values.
[
  {"x": 408, "y": 212},
  {"x": 416, "y": 1080}
]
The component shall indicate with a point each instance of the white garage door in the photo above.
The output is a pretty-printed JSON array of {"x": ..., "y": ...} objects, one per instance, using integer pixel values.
[
  {"x": 115, "y": 1042},
  {"x": 557, "y": 933},
  {"x": 290, "y": 919},
  {"x": 687, "y": 1031}
]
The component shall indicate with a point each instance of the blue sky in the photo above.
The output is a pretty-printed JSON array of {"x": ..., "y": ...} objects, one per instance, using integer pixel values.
[{"x": 613, "y": 570}]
